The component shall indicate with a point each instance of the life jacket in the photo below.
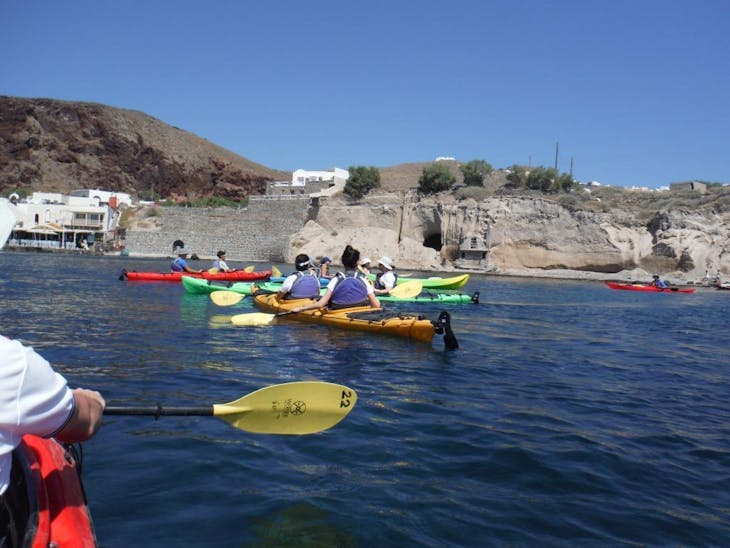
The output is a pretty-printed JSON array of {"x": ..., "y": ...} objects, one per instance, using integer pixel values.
[
  {"x": 306, "y": 286},
  {"x": 349, "y": 291},
  {"x": 379, "y": 284},
  {"x": 178, "y": 264}
]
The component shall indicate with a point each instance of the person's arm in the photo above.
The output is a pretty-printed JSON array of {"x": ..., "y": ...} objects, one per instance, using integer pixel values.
[
  {"x": 186, "y": 268},
  {"x": 320, "y": 303},
  {"x": 86, "y": 419}
]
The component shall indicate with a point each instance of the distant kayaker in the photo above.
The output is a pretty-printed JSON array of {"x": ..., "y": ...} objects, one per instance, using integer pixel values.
[
  {"x": 324, "y": 267},
  {"x": 181, "y": 265},
  {"x": 34, "y": 399},
  {"x": 302, "y": 284},
  {"x": 220, "y": 263},
  {"x": 658, "y": 282},
  {"x": 364, "y": 266},
  {"x": 348, "y": 289},
  {"x": 387, "y": 278}
]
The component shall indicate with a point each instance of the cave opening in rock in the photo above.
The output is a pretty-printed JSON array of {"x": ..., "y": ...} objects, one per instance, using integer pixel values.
[{"x": 433, "y": 241}]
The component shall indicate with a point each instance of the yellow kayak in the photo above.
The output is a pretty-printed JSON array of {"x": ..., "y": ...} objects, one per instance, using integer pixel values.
[{"x": 362, "y": 318}]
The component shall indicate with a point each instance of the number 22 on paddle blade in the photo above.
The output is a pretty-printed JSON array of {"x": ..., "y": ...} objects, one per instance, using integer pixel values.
[{"x": 292, "y": 408}]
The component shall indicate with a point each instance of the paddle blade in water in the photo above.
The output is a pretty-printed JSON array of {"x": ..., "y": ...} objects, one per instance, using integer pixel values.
[
  {"x": 290, "y": 408},
  {"x": 275, "y": 271},
  {"x": 407, "y": 290},
  {"x": 250, "y": 268},
  {"x": 226, "y": 298},
  {"x": 253, "y": 319}
]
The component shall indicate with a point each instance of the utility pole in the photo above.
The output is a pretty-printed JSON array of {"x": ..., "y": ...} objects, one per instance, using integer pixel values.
[
  {"x": 571, "y": 167},
  {"x": 557, "y": 144}
]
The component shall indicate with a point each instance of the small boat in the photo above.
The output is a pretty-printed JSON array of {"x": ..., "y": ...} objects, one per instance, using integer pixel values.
[
  {"x": 236, "y": 275},
  {"x": 49, "y": 504},
  {"x": 361, "y": 318},
  {"x": 203, "y": 286},
  {"x": 649, "y": 288},
  {"x": 454, "y": 282},
  {"x": 425, "y": 297},
  {"x": 200, "y": 286}
]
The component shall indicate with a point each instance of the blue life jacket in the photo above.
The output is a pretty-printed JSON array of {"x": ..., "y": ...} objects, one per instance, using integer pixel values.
[
  {"x": 379, "y": 284},
  {"x": 178, "y": 265},
  {"x": 349, "y": 291},
  {"x": 306, "y": 286}
]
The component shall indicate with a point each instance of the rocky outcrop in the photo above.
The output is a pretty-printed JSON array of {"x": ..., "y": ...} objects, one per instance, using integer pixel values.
[
  {"x": 524, "y": 235},
  {"x": 59, "y": 146}
]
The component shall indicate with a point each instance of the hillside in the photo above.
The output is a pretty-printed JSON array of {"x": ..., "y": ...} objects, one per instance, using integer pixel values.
[{"x": 60, "y": 146}]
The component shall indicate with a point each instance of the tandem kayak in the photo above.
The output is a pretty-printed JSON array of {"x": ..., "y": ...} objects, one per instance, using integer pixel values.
[
  {"x": 424, "y": 297},
  {"x": 454, "y": 282},
  {"x": 649, "y": 288},
  {"x": 235, "y": 276},
  {"x": 361, "y": 318},
  {"x": 47, "y": 498}
]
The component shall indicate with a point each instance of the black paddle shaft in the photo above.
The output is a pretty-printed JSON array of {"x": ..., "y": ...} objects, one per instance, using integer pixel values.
[{"x": 159, "y": 411}]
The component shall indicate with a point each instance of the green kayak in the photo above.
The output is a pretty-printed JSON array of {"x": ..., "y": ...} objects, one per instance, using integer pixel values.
[
  {"x": 425, "y": 297},
  {"x": 201, "y": 286}
]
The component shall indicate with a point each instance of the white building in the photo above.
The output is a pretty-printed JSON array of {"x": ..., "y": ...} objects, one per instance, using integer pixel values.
[
  {"x": 301, "y": 176},
  {"x": 56, "y": 220}
]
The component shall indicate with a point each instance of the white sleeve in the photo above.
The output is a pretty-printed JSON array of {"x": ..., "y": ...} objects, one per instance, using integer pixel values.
[
  {"x": 370, "y": 287},
  {"x": 34, "y": 399},
  {"x": 388, "y": 280},
  {"x": 288, "y": 282}
]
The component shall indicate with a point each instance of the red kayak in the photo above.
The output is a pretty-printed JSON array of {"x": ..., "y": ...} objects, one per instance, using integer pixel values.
[
  {"x": 650, "y": 288},
  {"x": 235, "y": 276},
  {"x": 48, "y": 500}
]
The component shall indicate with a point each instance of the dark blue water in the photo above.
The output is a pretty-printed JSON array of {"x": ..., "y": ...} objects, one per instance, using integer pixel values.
[{"x": 571, "y": 414}]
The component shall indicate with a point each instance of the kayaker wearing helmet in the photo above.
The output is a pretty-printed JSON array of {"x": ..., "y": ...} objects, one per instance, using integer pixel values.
[
  {"x": 348, "y": 289},
  {"x": 302, "y": 284},
  {"x": 221, "y": 264},
  {"x": 324, "y": 267},
  {"x": 181, "y": 265},
  {"x": 658, "y": 282},
  {"x": 387, "y": 278},
  {"x": 34, "y": 399}
]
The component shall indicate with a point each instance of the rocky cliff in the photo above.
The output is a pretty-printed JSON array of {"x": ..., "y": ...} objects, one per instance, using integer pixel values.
[{"x": 523, "y": 235}]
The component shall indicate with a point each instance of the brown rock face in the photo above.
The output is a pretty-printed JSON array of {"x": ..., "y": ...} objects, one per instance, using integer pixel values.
[{"x": 59, "y": 146}]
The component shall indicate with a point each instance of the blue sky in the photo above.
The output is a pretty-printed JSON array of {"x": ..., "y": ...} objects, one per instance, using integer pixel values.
[{"x": 635, "y": 92}]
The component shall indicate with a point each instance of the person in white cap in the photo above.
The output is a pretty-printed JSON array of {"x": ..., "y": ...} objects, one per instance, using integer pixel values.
[
  {"x": 387, "y": 278},
  {"x": 364, "y": 266}
]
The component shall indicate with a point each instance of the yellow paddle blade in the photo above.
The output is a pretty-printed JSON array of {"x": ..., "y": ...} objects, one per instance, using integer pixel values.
[
  {"x": 291, "y": 408},
  {"x": 213, "y": 271},
  {"x": 226, "y": 298},
  {"x": 253, "y": 319},
  {"x": 407, "y": 290},
  {"x": 275, "y": 271},
  {"x": 250, "y": 268}
]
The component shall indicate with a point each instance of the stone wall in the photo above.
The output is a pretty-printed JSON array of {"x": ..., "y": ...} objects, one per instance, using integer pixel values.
[{"x": 259, "y": 232}]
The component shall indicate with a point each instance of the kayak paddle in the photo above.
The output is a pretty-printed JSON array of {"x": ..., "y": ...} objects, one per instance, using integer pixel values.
[
  {"x": 226, "y": 298},
  {"x": 257, "y": 318},
  {"x": 275, "y": 271},
  {"x": 407, "y": 290},
  {"x": 213, "y": 270},
  {"x": 250, "y": 268},
  {"x": 304, "y": 407}
]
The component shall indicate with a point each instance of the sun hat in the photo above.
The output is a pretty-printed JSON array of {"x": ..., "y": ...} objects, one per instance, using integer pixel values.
[
  {"x": 221, "y": 254},
  {"x": 325, "y": 259},
  {"x": 181, "y": 251},
  {"x": 365, "y": 261},
  {"x": 387, "y": 262}
]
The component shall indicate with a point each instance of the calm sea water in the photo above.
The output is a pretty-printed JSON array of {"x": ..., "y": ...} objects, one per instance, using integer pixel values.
[{"x": 571, "y": 415}]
